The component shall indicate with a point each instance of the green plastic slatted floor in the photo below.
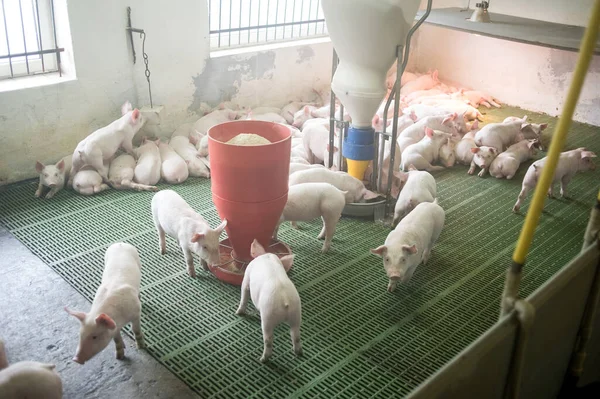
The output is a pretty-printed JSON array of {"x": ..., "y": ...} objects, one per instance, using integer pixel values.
[{"x": 358, "y": 339}]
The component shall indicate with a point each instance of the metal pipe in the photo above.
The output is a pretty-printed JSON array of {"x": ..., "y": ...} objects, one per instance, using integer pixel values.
[
  {"x": 412, "y": 31},
  {"x": 332, "y": 109},
  {"x": 343, "y": 132},
  {"x": 24, "y": 40},
  {"x": 230, "y": 6},
  {"x": 39, "y": 31},
  {"x": 558, "y": 139},
  {"x": 399, "y": 70},
  {"x": 7, "y": 41},
  {"x": 268, "y": 26},
  {"x": 129, "y": 28},
  {"x": 53, "y": 51},
  {"x": 55, "y": 41},
  {"x": 525, "y": 314}
]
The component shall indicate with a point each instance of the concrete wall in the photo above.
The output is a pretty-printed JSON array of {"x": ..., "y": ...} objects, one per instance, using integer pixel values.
[
  {"x": 46, "y": 122},
  {"x": 532, "y": 77}
]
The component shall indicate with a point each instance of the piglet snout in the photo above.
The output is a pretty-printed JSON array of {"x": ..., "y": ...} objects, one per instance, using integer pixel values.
[{"x": 52, "y": 185}]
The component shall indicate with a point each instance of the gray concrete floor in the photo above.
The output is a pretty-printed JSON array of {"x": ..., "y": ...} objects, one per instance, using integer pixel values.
[{"x": 34, "y": 326}]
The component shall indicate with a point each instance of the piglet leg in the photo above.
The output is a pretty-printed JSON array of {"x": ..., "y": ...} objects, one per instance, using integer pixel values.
[{"x": 120, "y": 346}]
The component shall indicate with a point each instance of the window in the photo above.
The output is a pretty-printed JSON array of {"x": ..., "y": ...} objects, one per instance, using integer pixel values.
[
  {"x": 27, "y": 38},
  {"x": 236, "y": 23}
]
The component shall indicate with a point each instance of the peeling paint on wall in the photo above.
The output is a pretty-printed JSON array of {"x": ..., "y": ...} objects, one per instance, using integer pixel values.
[
  {"x": 223, "y": 76},
  {"x": 305, "y": 54}
]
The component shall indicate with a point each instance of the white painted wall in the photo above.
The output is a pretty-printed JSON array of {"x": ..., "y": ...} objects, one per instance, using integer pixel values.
[
  {"x": 560, "y": 11},
  {"x": 532, "y": 77},
  {"x": 45, "y": 123}
]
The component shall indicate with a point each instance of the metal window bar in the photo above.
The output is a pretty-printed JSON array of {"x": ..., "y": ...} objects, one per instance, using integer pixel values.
[
  {"x": 249, "y": 22},
  {"x": 29, "y": 37}
]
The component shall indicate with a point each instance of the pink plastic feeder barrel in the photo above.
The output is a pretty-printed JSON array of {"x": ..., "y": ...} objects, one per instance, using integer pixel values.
[{"x": 249, "y": 187}]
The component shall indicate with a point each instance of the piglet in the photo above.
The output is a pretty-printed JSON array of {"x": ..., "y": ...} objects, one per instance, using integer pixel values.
[
  {"x": 423, "y": 82},
  {"x": 303, "y": 115},
  {"x": 425, "y": 152},
  {"x": 356, "y": 190},
  {"x": 507, "y": 163},
  {"x": 569, "y": 163},
  {"x": 463, "y": 152},
  {"x": 267, "y": 117},
  {"x": 315, "y": 141},
  {"x": 88, "y": 181},
  {"x": 121, "y": 174},
  {"x": 294, "y": 167},
  {"x": 174, "y": 217},
  {"x": 290, "y": 109},
  {"x": 274, "y": 296},
  {"x": 117, "y": 303},
  {"x": 98, "y": 148},
  {"x": 53, "y": 176},
  {"x": 309, "y": 201},
  {"x": 197, "y": 165},
  {"x": 214, "y": 118},
  {"x": 410, "y": 243},
  {"x": 500, "y": 135},
  {"x": 483, "y": 157},
  {"x": 447, "y": 153},
  {"x": 419, "y": 186},
  {"x": 147, "y": 169},
  {"x": 173, "y": 169},
  {"x": 30, "y": 380}
]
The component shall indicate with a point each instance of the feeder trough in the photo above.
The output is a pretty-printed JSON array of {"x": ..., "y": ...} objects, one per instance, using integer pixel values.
[{"x": 250, "y": 189}]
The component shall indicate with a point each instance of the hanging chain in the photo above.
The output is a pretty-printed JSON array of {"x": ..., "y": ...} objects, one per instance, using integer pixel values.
[{"x": 147, "y": 71}]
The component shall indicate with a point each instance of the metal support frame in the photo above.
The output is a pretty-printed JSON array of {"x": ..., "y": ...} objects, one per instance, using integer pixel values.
[{"x": 380, "y": 137}]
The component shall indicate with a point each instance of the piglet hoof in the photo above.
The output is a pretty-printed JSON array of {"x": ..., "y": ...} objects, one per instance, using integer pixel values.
[
  {"x": 482, "y": 173},
  {"x": 264, "y": 359},
  {"x": 141, "y": 344},
  {"x": 204, "y": 264},
  {"x": 192, "y": 273},
  {"x": 515, "y": 209},
  {"x": 121, "y": 355},
  {"x": 470, "y": 171},
  {"x": 325, "y": 248},
  {"x": 38, "y": 194},
  {"x": 240, "y": 312}
]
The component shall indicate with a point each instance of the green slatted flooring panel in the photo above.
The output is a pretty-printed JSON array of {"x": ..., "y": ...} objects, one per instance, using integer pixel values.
[{"x": 358, "y": 339}]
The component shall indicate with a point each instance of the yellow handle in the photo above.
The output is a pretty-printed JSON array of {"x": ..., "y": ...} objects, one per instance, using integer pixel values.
[{"x": 588, "y": 44}]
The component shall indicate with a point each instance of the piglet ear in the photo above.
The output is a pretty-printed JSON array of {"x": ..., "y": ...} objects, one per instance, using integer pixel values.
[
  {"x": 104, "y": 320},
  {"x": 135, "y": 116},
  {"x": 39, "y": 167},
  {"x": 193, "y": 139},
  {"x": 543, "y": 126},
  {"x": 78, "y": 315},
  {"x": 61, "y": 165},
  {"x": 256, "y": 249},
  {"x": 221, "y": 226},
  {"x": 429, "y": 132},
  {"x": 493, "y": 150},
  {"x": 197, "y": 237},
  {"x": 375, "y": 120},
  {"x": 379, "y": 251},
  {"x": 125, "y": 108},
  {"x": 306, "y": 110},
  {"x": 434, "y": 75},
  {"x": 475, "y": 150},
  {"x": 475, "y": 125},
  {"x": 369, "y": 195},
  {"x": 588, "y": 154},
  {"x": 287, "y": 262},
  {"x": 411, "y": 249}
]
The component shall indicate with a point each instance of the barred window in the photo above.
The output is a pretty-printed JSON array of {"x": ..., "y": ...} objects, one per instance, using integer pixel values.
[
  {"x": 28, "y": 38},
  {"x": 235, "y": 23}
]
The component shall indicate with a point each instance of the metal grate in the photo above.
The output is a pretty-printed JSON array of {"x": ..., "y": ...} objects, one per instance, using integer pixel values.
[
  {"x": 359, "y": 340},
  {"x": 236, "y": 23},
  {"x": 28, "y": 43}
]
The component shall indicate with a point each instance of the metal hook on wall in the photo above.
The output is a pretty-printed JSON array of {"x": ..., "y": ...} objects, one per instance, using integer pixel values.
[{"x": 142, "y": 33}]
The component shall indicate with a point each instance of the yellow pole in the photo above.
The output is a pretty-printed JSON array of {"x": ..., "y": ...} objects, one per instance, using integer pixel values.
[{"x": 586, "y": 50}]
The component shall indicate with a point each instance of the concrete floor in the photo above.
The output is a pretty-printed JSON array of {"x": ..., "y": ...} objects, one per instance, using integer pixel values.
[{"x": 34, "y": 326}]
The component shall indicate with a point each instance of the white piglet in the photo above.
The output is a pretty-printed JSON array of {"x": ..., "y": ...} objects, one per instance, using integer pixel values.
[
  {"x": 315, "y": 142},
  {"x": 356, "y": 190},
  {"x": 88, "y": 181},
  {"x": 424, "y": 153},
  {"x": 174, "y": 217},
  {"x": 53, "y": 176},
  {"x": 173, "y": 169},
  {"x": 147, "y": 170},
  {"x": 483, "y": 157},
  {"x": 30, "y": 380},
  {"x": 309, "y": 201},
  {"x": 419, "y": 187},
  {"x": 410, "y": 243},
  {"x": 197, "y": 165},
  {"x": 274, "y": 296},
  {"x": 121, "y": 173},
  {"x": 295, "y": 167},
  {"x": 569, "y": 163},
  {"x": 507, "y": 163},
  {"x": 500, "y": 135},
  {"x": 463, "y": 152},
  {"x": 116, "y": 304},
  {"x": 98, "y": 148}
]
